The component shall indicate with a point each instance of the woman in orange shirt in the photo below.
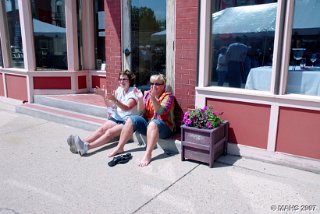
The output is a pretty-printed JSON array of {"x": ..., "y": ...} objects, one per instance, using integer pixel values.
[{"x": 156, "y": 108}]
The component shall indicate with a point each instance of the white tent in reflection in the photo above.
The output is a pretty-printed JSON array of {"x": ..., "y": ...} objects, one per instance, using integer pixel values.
[
  {"x": 159, "y": 36},
  {"x": 46, "y": 29},
  {"x": 245, "y": 19},
  {"x": 261, "y": 19},
  {"x": 255, "y": 20}
]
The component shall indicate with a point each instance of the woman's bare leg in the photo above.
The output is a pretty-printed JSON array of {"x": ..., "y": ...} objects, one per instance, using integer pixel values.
[
  {"x": 126, "y": 134},
  {"x": 152, "y": 139},
  {"x": 107, "y": 136},
  {"x": 100, "y": 131}
]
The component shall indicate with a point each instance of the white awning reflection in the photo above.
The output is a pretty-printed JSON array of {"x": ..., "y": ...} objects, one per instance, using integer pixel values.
[{"x": 258, "y": 19}]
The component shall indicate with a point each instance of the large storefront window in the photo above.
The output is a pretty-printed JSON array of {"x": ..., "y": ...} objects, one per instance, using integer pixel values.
[
  {"x": 242, "y": 41},
  {"x": 99, "y": 30},
  {"x": 148, "y": 39},
  {"x": 304, "y": 67},
  {"x": 13, "y": 27},
  {"x": 49, "y": 28}
]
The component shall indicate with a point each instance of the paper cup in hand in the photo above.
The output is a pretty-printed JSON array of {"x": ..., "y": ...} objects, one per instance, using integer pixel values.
[{"x": 110, "y": 108}]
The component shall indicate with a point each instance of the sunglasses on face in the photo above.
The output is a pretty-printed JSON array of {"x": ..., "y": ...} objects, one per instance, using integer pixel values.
[
  {"x": 123, "y": 79},
  {"x": 155, "y": 83}
]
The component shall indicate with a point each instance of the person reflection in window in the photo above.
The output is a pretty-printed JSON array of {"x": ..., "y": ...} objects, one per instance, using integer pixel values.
[
  {"x": 249, "y": 62},
  {"x": 222, "y": 66},
  {"x": 236, "y": 54}
]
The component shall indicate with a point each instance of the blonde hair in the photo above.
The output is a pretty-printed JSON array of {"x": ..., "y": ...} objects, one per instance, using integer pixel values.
[{"x": 156, "y": 77}]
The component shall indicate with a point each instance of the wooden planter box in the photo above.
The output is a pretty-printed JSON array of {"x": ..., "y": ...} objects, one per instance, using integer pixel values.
[{"x": 204, "y": 145}]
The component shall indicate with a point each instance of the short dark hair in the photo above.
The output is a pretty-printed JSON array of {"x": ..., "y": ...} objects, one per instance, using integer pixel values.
[{"x": 130, "y": 75}]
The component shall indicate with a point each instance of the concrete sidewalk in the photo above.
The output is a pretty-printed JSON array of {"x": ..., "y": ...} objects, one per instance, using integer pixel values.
[{"x": 40, "y": 175}]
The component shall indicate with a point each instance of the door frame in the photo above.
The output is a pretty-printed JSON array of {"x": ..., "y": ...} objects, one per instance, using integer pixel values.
[{"x": 170, "y": 39}]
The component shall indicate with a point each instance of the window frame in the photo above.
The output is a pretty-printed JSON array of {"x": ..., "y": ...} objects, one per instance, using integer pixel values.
[
  {"x": 281, "y": 57},
  {"x": 25, "y": 14}
]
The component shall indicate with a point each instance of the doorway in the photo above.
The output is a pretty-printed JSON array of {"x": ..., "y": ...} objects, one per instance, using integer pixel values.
[{"x": 147, "y": 39}]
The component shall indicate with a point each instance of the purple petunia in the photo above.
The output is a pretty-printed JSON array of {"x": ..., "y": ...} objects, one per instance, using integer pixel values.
[
  {"x": 202, "y": 118},
  {"x": 187, "y": 122},
  {"x": 209, "y": 125}
]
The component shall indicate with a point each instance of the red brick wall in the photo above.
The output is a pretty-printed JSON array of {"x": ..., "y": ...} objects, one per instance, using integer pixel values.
[
  {"x": 186, "y": 52},
  {"x": 113, "y": 42},
  {"x": 186, "y": 49}
]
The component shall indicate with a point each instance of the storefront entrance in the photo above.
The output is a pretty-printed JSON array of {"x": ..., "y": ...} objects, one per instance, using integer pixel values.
[{"x": 145, "y": 47}]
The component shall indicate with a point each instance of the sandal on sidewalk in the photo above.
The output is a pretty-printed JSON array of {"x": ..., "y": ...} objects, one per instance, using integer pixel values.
[{"x": 121, "y": 159}]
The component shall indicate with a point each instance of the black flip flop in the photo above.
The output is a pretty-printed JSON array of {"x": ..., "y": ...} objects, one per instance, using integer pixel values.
[{"x": 121, "y": 159}]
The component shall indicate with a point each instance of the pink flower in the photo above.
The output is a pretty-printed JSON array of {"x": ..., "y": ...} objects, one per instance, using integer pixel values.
[
  {"x": 202, "y": 118},
  {"x": 209, "y": 125}
]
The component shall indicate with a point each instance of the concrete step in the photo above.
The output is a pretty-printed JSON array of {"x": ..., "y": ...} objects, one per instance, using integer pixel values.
[
  {"x": 171, "y": 146},
  {"x": 89, "y": 104},
  {"x": 85, "y": 111},
  {"x": 75, "y": 119}
]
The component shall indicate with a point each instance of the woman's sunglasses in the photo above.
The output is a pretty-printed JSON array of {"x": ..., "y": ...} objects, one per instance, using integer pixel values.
[{"x": 156, "y": 84}]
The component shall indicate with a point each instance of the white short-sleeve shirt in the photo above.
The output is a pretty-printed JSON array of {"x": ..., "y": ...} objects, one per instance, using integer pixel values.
[{"x": 120, "y": 114}]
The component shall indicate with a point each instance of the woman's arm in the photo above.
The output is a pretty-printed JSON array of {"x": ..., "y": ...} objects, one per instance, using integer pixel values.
[
  {"x": 167, "y": 102},
  {"x": 155, "y": 103},
  {"x": 139, "y": 95},
  {"x": 126, "y": 107},
  {"x": 103, "y": 93}
]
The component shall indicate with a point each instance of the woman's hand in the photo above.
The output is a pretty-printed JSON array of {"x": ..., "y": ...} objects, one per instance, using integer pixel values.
[
  {"x": 138, "y": 93},
  {"x": 111, "y": 96},
  {"x": 100, "y": 91},
  {"x": 153, "y": 93}
]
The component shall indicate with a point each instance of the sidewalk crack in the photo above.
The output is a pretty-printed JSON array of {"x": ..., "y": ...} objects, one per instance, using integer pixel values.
[{"x": 164, "y": 190}]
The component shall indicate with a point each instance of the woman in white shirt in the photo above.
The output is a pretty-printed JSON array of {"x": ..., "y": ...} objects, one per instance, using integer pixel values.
[{"x": 124, "y": 104}]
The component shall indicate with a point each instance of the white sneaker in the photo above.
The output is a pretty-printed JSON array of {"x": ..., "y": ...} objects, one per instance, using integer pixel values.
[
  {"x": 81, "y": 146},
  {"x": 72, "y": 145}
]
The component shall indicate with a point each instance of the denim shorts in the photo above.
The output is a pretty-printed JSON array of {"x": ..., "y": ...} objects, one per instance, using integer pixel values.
[
  {"x": 116, "y": 121},
  {"x": 140, "y": 125}
]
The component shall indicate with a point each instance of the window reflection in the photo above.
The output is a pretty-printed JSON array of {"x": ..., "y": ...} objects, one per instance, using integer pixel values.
[
  {"x": 15, "y": 40},
  {"x": 148, "y": 39},
  {"x": 99, "y": 34},
  {"x": 49, "y": 28},
  {"x": 242, "y": 39},
  {"x": 304, "y": 69}
]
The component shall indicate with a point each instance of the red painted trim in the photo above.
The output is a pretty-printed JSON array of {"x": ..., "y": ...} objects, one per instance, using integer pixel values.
[
  {"x": 66, "y": 113},
  {"x": 92, "y": 99},
  {"x": 82, "y": 82},
  {"x": 52, "y": 82},
  {"x": 98, "y": 81},
  {"x": 249, "y": 123},
  {"x": 16, "y": 87},
  {"x": 1, "y": 85},
  {"x": 298, "y": 132}
]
